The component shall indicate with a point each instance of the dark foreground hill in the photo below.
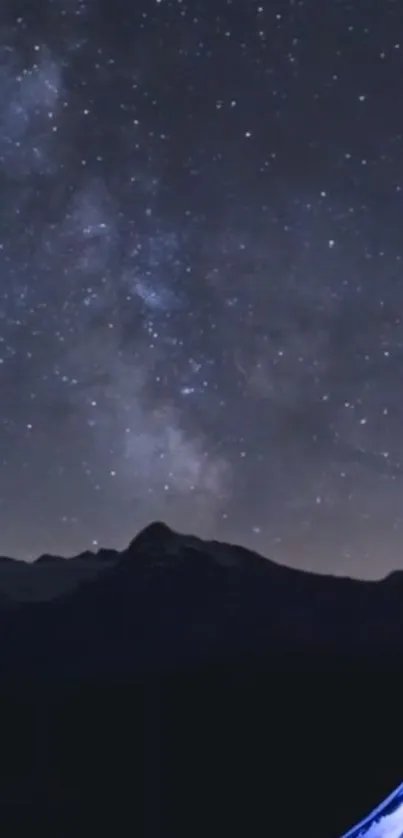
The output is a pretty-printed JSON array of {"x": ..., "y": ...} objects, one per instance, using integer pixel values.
[{"x": 196, "y": 688}]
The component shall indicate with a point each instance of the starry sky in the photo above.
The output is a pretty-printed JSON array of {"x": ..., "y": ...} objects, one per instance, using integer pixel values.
[{"x": 201, "y": 276}]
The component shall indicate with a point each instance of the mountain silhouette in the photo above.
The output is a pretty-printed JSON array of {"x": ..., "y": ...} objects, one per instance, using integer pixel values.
[
  {"x": 171, "y": 599},
  {"x": 236, "y": 692}
]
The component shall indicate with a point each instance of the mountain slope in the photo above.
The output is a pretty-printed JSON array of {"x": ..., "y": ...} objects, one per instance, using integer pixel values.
[{"x": 172, "y": 600}]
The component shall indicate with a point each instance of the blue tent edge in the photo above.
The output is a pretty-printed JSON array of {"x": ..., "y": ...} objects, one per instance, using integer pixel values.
[{"x": 377, "y": 811}]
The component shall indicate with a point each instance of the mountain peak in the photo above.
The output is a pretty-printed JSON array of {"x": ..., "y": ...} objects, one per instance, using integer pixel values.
[{"x": 156, "y": 533}]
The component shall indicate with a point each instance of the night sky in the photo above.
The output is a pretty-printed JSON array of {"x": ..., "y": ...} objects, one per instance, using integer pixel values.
[{"x": 201, "y": 276}]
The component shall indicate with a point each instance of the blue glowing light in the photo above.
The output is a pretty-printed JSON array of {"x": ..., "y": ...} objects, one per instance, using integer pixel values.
[{"x": 386, "y": 821}]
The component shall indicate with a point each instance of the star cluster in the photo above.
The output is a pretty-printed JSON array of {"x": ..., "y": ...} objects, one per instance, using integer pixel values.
[{"x": 201, "y": 276}]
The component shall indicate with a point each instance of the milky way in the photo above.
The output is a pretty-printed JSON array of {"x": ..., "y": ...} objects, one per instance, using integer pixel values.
[{"x": 201, "y": 286}]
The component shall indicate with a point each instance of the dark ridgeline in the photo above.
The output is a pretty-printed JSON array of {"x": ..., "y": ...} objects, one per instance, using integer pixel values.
[{"x": 195, "y": 688}]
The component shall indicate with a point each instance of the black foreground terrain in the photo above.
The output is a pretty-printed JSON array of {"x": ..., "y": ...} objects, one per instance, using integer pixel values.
[{"x": 194, "y": 688}]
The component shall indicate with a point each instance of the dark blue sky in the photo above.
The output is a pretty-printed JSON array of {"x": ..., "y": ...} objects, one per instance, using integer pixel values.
[{"x": 201, "y": 276}]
